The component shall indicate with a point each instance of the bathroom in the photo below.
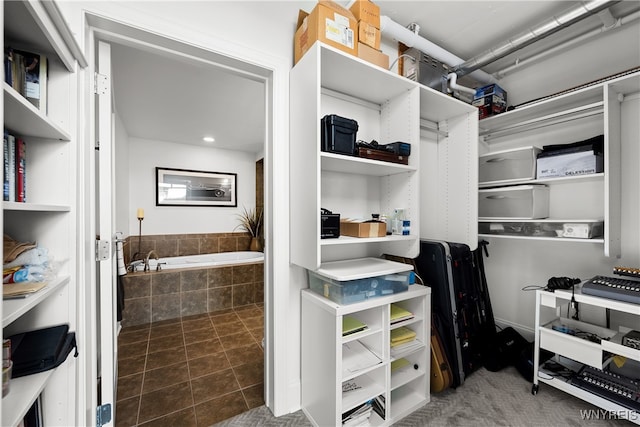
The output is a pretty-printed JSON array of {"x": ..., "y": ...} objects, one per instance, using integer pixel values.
[{"x": 194, "y": 334}]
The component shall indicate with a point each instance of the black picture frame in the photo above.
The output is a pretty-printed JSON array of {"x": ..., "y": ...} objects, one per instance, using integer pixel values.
[{"x": 186, "y": 187}]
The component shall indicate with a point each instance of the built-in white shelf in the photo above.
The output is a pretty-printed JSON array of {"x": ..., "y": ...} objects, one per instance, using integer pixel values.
[
  {"x": 555, "y": 239},
  {"x": 12, "y": 309},
  {"x": 405, "y": 375},
  {"x": 357, "y": 78},
  {"x": 357, "y": 165},
  {"x": 349, "y": 240},
  {"x": 547, "y": 181},
  {"x": 20, "y": 116},
  {"x": 34, "y": 207},
  {"x": 22, "y": 393}
]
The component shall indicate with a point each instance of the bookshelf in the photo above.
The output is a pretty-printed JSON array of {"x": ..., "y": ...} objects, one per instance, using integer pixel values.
[
  {"x": 328, "y": 364},
  {"x": 49, "y": 215}
]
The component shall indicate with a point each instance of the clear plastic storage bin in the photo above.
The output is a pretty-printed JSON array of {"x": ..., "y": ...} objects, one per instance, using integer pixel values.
[{"x": 357, "y": 286}]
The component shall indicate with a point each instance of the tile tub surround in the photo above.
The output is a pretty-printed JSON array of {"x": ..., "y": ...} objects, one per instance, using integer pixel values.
[
  {"x": 172, "y": 245},
  {"x": 157, "y": 296}
]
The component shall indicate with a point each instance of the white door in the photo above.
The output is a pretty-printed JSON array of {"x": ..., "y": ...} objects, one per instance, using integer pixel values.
[{"x": 106, "y": 263}]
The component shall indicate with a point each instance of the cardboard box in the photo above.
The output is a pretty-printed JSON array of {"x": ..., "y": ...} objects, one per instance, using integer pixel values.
[
  {"x": 372, "y": 55},
  {"x": 366, "y": 11},
  {"x": 329, "y": 23},
  {"x": 362, "y": 229},
  {"x": 491, "y": 90},
  {"x": 489, "y": 105},
  {"x": 369, "y": 35},
  {"x": 578, "y": 158},
  {"x": 571, "y": 164}
]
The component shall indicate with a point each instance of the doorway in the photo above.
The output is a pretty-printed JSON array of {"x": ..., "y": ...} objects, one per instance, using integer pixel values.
[{"x": 118, "y": 34}]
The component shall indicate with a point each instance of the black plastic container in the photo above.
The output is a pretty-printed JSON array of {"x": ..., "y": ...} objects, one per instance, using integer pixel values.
[{"x": 338, "y": 134}]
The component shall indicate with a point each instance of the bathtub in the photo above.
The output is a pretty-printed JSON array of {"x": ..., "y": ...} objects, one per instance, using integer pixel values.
[{"x": 204, "y": 260}]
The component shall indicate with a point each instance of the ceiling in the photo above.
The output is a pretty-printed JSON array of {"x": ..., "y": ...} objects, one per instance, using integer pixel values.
[{"x": 182, "y": 101}]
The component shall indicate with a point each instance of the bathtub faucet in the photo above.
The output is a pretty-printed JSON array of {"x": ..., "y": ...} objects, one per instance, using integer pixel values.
[{"x": 153, "y": 254}]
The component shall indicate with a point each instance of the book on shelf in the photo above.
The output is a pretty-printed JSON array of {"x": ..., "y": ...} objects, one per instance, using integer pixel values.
[
  {"x": 398, "y": 314},
  {"x": 5, "y": 171},
  {"x": 12, "y": 168},
  {"x": 8, "y": 66},
  {"x": 14, "y": 187},
  {"x": 21, "y": 165},
  {"x": 351, "y": 325},
  {"x": 378, "y": 405},
  {"x": 358, "y": 416},
  {"x": 26, "y": 72}
]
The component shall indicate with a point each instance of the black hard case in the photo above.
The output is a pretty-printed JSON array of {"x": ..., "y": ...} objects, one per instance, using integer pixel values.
[
  {"x": 338, "y": 134},
  {"x": 461, "y": 309}
]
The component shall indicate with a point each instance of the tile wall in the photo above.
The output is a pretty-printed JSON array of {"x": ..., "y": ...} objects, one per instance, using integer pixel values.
[
  {"x": 156, "y": 296},
  {"x": 170, "y": 245}
]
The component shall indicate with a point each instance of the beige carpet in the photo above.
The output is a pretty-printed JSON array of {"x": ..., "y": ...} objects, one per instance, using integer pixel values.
[{"x": 485, "y": 399}]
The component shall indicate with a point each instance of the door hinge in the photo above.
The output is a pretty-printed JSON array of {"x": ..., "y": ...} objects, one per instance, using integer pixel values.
[
  {"x": 100, "y": 84},
  {"x": 102, "y": 250},
  {"x": 103, "y": 414}
]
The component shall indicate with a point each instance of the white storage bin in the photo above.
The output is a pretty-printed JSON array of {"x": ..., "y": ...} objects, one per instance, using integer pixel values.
[
  {"x": 519, "y": 201},
  {"x": 509, "y": 165}
]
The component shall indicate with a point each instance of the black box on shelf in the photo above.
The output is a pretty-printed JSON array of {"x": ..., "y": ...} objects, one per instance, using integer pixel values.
[
  {"x": 329, "y": 225},
  {"x": 338, "y": 134}
]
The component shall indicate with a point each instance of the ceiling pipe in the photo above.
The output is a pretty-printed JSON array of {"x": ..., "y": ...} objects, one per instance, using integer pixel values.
[
  {"x": 407, "y": 37},
  {"x": 539, "y": 32},
  {"x": 589, "y": 34},
  {"x": 453, "y": 85}
]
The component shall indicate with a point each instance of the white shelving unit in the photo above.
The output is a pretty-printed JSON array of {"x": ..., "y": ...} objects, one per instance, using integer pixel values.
[
  {"x": 576, "y": 351},
  {"x": 564, "y": 119},
  {"x": 323, "y": 368},
  {"x": 387, "y": 108},
  {"x": 48, "y": 216},
  {"x": 443, "y": 133}
]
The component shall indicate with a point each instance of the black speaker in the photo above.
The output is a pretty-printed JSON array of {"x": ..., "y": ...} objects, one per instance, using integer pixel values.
[
  {"x": 524, "y": 364},
  {"x": 504, "y": 349}
]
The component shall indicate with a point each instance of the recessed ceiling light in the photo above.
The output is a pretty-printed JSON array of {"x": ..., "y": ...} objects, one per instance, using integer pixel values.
[{"x": 208, "y": 139}]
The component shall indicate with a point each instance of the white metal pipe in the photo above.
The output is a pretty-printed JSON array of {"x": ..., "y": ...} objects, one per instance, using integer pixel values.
[
  {"x": 532, "y": 35},
  {"x": 402, "y": 34},
  {"x": 453, "y": 84},
  {"x": 585, "y": 36}
]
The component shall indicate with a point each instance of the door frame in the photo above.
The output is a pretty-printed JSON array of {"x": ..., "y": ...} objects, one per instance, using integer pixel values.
[{"x": 274, "y": 72}]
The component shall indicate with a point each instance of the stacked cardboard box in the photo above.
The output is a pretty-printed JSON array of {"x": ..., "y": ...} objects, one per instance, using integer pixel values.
[
  {"x": 329, "y": 23},
  {"x": 490, "y": 100},
  {"x": 367, "y": 15}
]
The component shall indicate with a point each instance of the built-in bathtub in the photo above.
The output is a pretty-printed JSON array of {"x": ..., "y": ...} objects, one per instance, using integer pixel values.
[
  {"x": 204, "y": 260},
  {"x": 192, "y": 285}
]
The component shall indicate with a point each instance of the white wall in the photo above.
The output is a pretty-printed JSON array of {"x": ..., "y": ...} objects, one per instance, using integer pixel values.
[
  {"x": 122, "y": 181},
  {"x": 145, "y": 155}
]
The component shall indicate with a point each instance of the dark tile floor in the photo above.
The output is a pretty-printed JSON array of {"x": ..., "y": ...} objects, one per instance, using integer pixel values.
[{"x": 192, "y": 371}]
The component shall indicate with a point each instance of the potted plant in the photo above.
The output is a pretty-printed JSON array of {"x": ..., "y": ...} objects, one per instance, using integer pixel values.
[{"x": 251, "y": 222}]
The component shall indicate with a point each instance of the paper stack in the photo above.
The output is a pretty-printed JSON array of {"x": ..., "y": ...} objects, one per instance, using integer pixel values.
[
  {"x": 403, "y": 339},
  {"x": 398, "y": 314}
]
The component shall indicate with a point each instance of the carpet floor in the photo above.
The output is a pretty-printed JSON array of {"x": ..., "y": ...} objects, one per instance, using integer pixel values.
[{"x": 485, "y": 399}]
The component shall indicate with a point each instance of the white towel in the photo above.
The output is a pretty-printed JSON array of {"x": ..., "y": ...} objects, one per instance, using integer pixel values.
[{"x": 122, "y": 268}]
